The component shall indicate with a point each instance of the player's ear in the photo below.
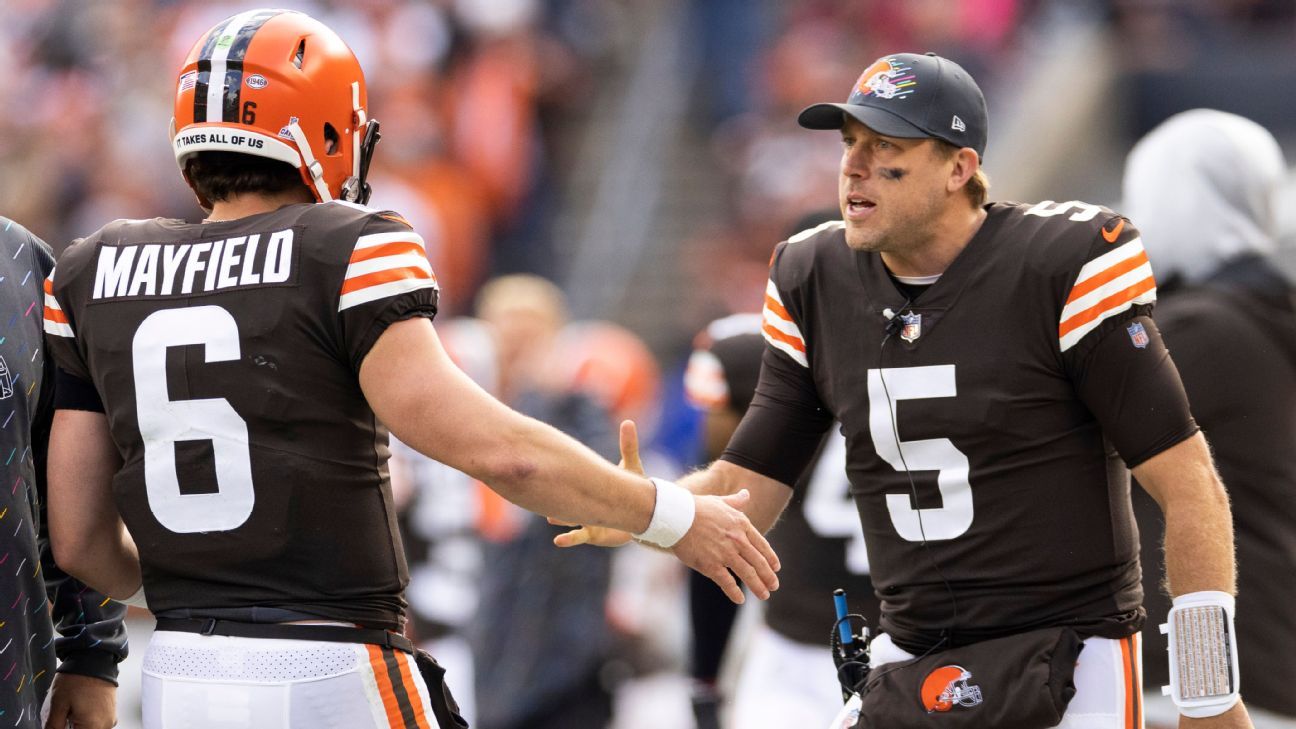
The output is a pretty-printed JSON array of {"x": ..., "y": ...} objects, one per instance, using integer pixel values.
[{"x": 966, "y": 163}]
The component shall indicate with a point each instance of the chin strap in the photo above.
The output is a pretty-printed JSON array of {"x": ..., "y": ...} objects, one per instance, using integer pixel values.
[
  {"x": 364, "y": 138},
  {"x": 312, "y": 165},
  {"x": 356, "y": 189}
]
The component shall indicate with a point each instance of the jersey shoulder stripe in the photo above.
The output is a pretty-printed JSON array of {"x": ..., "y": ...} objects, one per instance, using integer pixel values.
[
  {"x": 809, "y": 233},
  {"x": 384, "y": 265},
  {"x": 779, "y": 329},
  {"x": 1106, "y": 286},
  {"x": 56, "y": 320}
]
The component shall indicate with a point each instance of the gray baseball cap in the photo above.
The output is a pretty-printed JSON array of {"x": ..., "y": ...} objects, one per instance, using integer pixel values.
[{"x": 911, "y": 95}]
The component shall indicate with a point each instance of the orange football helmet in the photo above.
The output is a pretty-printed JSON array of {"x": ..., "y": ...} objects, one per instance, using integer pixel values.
[{"x": 278, "y": 84}]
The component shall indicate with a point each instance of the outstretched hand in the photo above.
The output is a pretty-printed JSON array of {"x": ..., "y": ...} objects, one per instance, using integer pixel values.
[
  {"x": 721, "y": 543},
  {"x": 604, "y": 536}
]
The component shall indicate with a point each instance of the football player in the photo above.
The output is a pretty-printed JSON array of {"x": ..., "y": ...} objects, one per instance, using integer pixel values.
[
  {"x": 1229, "y": 320},
  {"x": 786, "y": 677},
  {"x": 229, "y": 389},
  {"x": 981, "y": 359}
]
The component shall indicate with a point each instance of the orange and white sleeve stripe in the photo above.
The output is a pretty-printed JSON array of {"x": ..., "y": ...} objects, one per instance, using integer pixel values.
[
  {"x": 383, "y": 265},
  {"x": 778, "y": 328},
  {"x": 1106, "y": 286},
  {"x": 704, "y": 381},
  {"x": 56, "y": 321}
]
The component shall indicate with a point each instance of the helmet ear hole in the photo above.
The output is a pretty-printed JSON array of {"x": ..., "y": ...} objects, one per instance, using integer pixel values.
[
  {"x": 332, "y": 140},
  {"x": 300, "y": 54}
]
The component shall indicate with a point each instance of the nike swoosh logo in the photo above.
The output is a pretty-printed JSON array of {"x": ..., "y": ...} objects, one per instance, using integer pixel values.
[{"x": 1111, "y": 235}]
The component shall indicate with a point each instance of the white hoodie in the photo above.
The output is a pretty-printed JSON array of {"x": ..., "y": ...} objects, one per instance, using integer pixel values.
[{"x": 1201, "y": 188}]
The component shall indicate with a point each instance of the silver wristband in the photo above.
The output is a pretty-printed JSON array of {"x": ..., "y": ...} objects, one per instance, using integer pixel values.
[{"x": 1202, "y": 642}]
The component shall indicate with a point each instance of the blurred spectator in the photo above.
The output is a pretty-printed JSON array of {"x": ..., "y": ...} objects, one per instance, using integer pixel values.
[
  {"x": 1201, "y": 189},
  {"x": 609, "y": 363},
  {"x": 540, "y": 637}
]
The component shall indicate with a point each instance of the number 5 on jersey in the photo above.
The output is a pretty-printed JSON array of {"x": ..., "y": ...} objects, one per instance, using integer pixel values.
[{"x": 887, "y": 386}]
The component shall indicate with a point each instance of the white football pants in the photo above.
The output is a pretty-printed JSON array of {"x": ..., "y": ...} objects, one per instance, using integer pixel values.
[
  {"x": 194, "y": 681},
  {"x": 783, "y": 683}
]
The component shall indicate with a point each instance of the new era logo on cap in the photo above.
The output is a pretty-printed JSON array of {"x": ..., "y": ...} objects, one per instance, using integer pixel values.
[{"x": 911, "y": 95}]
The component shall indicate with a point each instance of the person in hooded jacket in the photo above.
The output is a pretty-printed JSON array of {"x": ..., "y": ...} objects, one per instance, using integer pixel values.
[{"x": 1202, "y": 187}]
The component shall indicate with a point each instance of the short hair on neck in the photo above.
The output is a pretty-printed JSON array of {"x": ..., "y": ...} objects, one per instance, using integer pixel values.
[{"x": 221, "y": 176}]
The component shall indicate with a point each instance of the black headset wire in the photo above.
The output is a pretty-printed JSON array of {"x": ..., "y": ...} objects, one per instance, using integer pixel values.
[{"x": 913, "y": 488}]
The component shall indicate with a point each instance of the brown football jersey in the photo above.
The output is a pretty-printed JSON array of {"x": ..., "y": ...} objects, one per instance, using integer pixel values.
[
  {"x": 227, "y": 357},
  {"x": 977, "y": 417}
]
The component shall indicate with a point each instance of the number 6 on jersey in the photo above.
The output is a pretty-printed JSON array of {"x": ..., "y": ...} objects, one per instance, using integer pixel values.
[{"x": 163, "y": 422}]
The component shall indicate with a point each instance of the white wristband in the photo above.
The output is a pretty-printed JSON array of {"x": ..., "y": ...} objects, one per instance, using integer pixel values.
[
  {"x": 137, "y": 599},
  {"x": 1202, "y": 642},
  {"x": 672, "y": 515}
]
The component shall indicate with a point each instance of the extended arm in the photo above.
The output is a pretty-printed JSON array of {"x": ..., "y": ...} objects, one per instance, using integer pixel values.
[
  {"x": 1199, "y": 528},
  {"x": 1198, "y": 534},
  {"x": 768, "y": 496},
  {"x": 86, "y": 532},
  {"x": 775, "y": 441},
  {"x": 433, "y": 407}
]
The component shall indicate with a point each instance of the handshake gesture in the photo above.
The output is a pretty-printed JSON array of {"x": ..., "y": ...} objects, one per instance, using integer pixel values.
[{"x": 720, "y": 543}]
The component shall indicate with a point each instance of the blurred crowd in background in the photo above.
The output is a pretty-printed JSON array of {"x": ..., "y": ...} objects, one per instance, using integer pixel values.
[{"x": 638, "y": 161}]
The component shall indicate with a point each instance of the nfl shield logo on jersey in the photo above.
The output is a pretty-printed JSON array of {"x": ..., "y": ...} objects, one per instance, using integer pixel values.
[
  {"x": 912, "y": 326},
  {"x": 1138, "y": 335}
]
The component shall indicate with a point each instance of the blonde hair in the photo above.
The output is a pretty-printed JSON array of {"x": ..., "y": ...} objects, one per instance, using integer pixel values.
[
  {"x": 977, "y": 188},
  {"x": 522, "y": 291}
]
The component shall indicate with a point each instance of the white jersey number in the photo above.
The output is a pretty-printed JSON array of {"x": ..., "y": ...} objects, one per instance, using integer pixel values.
[
  {"x": 935, "y": 454},
  {"x": 163, "y": 422},
  {"x": 1083, "y": 210},
  {"x": 829, "y": 507}
]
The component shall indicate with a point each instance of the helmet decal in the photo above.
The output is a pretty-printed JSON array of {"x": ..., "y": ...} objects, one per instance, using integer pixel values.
[{"x": 220, "y": 66}]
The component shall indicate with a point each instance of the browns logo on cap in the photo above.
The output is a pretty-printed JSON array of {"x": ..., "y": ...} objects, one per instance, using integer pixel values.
[{"x": 911, "y": 95}]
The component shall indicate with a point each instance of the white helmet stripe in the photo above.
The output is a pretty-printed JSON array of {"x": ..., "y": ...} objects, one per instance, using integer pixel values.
[{"x": 220, "y": 54}]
